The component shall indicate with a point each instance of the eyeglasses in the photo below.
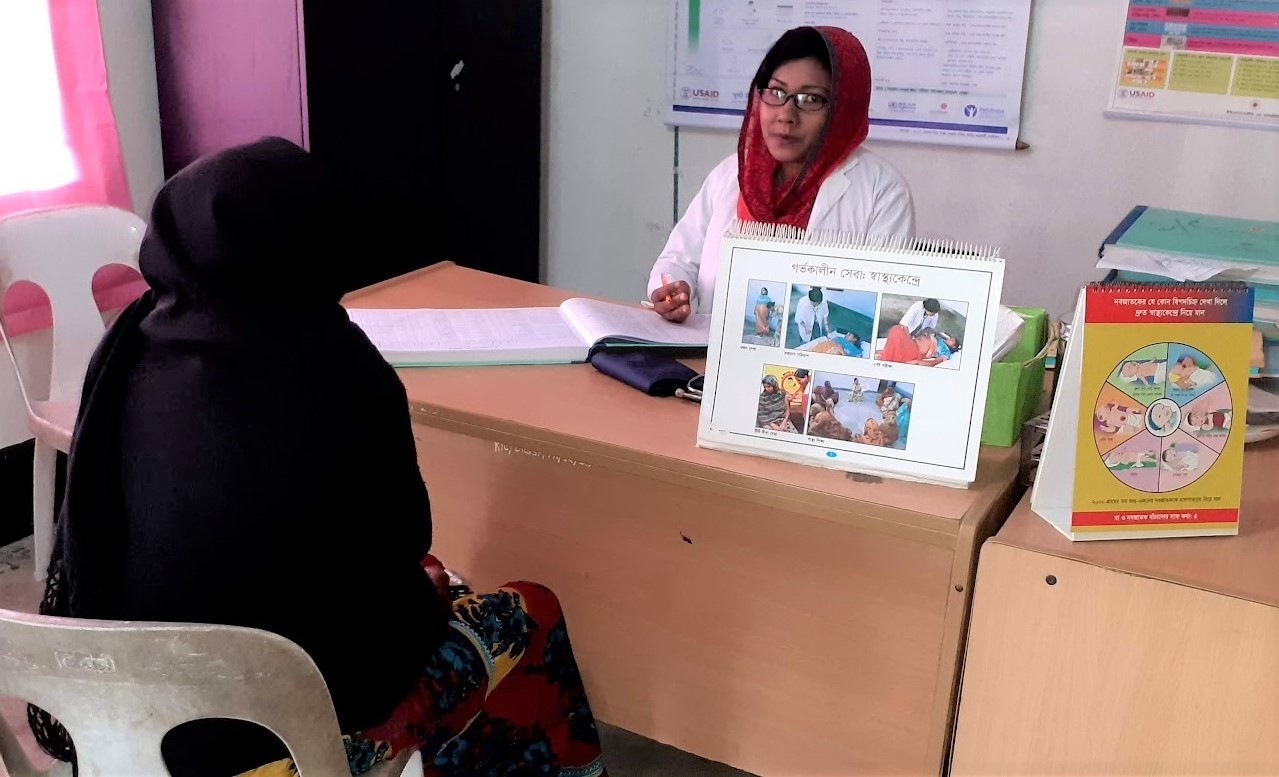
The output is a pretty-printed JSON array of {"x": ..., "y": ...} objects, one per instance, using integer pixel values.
[
  {"x": 803, "y": 100},
  {"x": 693, "y": 391}
]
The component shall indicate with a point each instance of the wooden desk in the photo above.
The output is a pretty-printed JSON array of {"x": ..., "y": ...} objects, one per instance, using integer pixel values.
[
  {"x": 784, "y": 619},
  {"x": 1151, "y": 657}
]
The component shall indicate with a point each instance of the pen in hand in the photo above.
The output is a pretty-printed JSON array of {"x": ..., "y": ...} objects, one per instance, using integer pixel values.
[
  {"x": 671, "y": 300},
  {"x": 666, "y": 281}
]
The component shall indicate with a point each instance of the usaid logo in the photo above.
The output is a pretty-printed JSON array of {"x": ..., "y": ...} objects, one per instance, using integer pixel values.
[
  {"x": 699, "y": 94},
  {"x": 1138, "y": 94},
  {"x": 970, "y": 111}
]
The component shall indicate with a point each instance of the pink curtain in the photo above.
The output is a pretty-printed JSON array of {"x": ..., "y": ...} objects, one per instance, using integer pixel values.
[
  {"x": 86, "y": 115},
  {"x": 90, "y": 131}
]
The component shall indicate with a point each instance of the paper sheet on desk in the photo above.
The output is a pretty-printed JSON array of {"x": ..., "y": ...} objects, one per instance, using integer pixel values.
[
  {"x": 1178, "y": 268},
  {"x": 1008, "y": 332}
]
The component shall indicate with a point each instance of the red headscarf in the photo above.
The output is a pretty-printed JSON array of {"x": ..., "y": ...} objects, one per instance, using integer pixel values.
[{"x": 846, "y": 128}]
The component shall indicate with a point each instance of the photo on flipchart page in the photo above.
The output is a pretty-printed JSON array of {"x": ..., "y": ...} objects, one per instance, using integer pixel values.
[
  {"x": 926, "y": 331},
  {"x": 783, "y": 399},
  {"x": 765, "y": 311},
  {"x": 1190, "y": 373},
  {"x": 859, "y": 409},
  {"x": 829, "y": 320}
]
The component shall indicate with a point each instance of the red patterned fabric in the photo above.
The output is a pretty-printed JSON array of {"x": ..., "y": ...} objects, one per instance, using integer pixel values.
[
  {"x": 846, "y": 127},
  {"x": 899, "y": 346}
]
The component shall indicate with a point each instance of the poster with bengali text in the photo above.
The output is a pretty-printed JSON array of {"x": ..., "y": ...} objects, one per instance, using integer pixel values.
[
  {"x": 1214, "y": 61},
  {"x": 948, "y": 72}
]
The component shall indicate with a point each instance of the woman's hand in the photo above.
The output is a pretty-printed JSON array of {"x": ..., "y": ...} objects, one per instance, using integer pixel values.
[{"x": 671, "y": 301}]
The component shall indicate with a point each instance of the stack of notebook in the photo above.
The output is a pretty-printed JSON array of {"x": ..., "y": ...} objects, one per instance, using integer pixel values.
[{"x": 1154, "y": 244}]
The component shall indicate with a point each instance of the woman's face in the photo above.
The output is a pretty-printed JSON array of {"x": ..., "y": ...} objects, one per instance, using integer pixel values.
[{"x": 791, "y": 134}]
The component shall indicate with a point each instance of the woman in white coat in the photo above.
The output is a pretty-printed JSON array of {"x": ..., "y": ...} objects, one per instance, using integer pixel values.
[{"x": 799, "y": 162}]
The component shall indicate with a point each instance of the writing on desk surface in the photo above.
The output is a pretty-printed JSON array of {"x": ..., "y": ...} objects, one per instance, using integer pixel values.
[{"x": 513, "y": 450}]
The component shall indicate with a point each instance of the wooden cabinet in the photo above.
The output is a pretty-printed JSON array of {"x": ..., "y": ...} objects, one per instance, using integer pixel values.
[
  {"x": 1125, "y": 657},
  {"x": 434, "y": 106}
]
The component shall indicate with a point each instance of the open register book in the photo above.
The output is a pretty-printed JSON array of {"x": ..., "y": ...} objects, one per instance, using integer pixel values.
[
  {"x": 424, "y": 337},
  {"x": 866, "y": 357}
]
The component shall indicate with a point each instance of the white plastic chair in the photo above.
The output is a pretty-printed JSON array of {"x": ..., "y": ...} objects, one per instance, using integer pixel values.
[
  {"x": 60, "y": 250},
  {"x": 119, "y": 687},
  {"x": 31, "y": 351}
]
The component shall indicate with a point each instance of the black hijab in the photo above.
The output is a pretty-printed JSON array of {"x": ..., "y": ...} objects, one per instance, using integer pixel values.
[{"x": 243, "y": 455}]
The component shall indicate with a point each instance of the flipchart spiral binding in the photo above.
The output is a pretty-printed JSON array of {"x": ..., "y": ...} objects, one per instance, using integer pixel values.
[
  {"x": 1145, "y": 287},
  {"x": 784, "y": 233}
]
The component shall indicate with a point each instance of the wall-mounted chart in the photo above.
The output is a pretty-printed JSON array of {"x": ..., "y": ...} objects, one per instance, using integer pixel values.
[
  {"x": 1162, "y": 418},
  {"x": 944, "y": 71},
  {"x": 1212, "y": 61}
]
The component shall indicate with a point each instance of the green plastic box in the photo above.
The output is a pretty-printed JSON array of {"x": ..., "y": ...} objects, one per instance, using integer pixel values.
[{"x": 1017, "y": 382}]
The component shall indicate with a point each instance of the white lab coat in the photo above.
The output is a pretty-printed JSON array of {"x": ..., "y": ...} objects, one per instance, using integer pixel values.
[
  {"x": 807, "y": 317},
  {"x": 917, "y": 317},
  {"x": 864, "y": 197}
]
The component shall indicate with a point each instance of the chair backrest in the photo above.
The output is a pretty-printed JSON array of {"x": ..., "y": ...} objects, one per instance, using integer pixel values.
[
  {"x": 60, "y": 249},
  {"x": 119, "y": 687}
]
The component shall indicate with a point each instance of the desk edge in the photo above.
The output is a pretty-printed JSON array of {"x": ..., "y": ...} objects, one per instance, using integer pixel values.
[{"x": 903, "y": 523}]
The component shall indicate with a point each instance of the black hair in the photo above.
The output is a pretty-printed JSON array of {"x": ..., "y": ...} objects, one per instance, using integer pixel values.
[
  {"x": 932, "y": 305},
  {"x": 801, "y": 373},
  {"x": 763, "y": 289},
  {"x": 799, "y": 43},
  {"x": 815, "y": 294}
]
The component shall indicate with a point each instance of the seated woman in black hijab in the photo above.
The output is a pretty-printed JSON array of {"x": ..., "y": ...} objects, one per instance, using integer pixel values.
[{"x": 243, "y": 456}]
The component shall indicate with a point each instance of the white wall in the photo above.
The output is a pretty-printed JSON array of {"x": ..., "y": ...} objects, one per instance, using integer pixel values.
[
  {"x": 129, "y": 50},
  {"x": 609, "y": 156}
]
